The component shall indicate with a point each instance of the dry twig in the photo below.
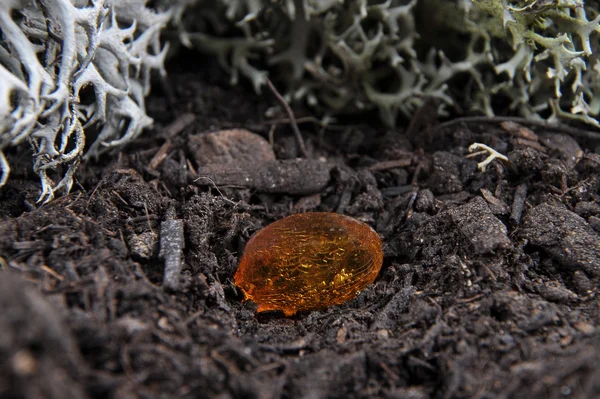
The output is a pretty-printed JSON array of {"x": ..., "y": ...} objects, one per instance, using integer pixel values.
[
  {"x": 290, "y": 113},
  {"x": 589, "y": 134}
]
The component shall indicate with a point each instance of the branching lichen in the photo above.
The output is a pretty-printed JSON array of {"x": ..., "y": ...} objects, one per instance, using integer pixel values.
[
  {"x": 49, "y": 52},
  {"x": 344, "y": 56}
]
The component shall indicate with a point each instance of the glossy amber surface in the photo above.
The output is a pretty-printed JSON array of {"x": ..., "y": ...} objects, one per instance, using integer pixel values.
[{"x": 309, "y": 261}]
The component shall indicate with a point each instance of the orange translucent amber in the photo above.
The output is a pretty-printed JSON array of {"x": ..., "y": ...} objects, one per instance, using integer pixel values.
[{"x": 309, "y": 261}]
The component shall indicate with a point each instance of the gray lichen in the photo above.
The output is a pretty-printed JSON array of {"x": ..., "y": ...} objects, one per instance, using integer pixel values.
[
  {"x": 346, "y": 56},
  {"x": 52, "y": 49}
]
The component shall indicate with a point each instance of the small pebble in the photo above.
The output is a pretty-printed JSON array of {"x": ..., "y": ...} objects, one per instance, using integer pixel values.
[{"x": 236, "y": 146}]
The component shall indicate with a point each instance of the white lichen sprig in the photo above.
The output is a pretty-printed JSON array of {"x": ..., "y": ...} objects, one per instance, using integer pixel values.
[{"x": 484, "y": 149}]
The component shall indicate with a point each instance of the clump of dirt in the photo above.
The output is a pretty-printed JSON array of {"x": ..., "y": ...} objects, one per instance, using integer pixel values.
[{"x": 489, "y": 286}]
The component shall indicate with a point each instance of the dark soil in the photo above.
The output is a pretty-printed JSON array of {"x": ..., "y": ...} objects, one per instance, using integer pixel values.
[{"x": 489, "y": 287}]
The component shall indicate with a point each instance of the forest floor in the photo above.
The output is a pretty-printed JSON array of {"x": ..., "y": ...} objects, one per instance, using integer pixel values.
[{"x": 489, "y": 286}]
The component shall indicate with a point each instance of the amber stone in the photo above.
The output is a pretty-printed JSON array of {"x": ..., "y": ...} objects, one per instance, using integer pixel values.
[{"x": 309, "y": 261}]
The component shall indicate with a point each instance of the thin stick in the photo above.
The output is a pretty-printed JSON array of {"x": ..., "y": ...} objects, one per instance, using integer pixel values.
[
  {"x": 590, "y": 134},
  {"x": 395, "y": 163},
  {"x": 171, "y": 251},
  {"x": 288, "y": 110},
  {"x": 307, "y": 119}
]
